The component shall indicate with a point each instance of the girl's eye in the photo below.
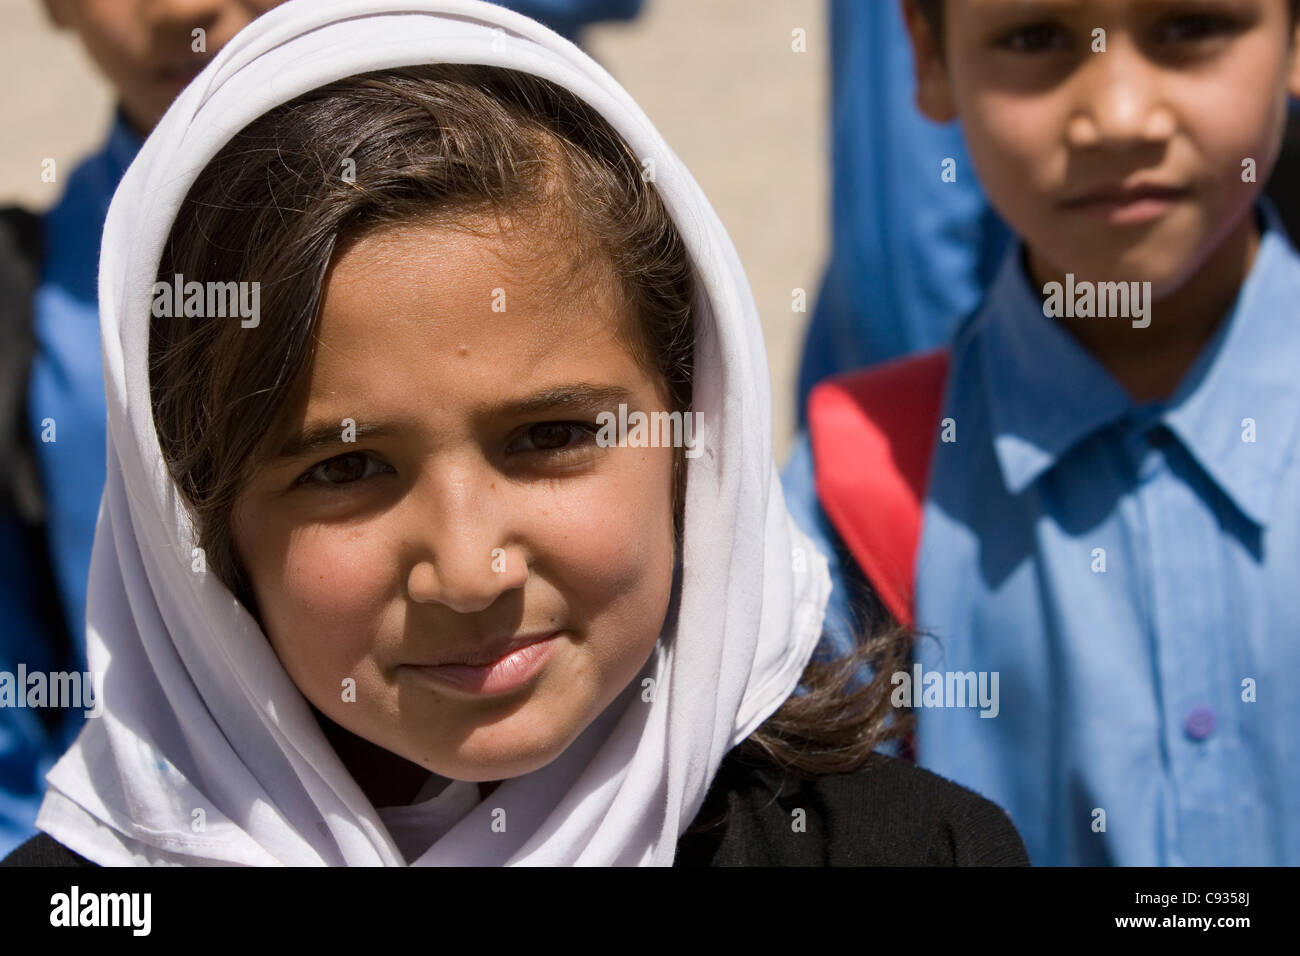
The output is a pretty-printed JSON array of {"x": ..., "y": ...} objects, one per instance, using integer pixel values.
[
  {"x": 553, "y": 437},
  {"x": 1193, "y": 27},
  {"x": 343, "y": 469},
  {"x": 1036, "y": 38}
]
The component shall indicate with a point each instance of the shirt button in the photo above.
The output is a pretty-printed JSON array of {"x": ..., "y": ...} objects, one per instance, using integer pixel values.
[{"x": 1200, "y": 722}]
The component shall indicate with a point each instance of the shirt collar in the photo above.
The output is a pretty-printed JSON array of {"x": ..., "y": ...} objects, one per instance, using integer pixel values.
[
  {"x": 1048, "y": 393},
  {"x": 1249, "y": 371},
  {"x": 1046, "y": 390}
]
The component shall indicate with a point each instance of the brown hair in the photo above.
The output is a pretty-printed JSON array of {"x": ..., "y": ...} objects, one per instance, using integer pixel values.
[{"x": 431, "y": 143}]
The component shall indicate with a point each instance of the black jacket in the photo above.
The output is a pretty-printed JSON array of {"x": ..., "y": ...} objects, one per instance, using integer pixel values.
[{"x": 889, "y": 813}]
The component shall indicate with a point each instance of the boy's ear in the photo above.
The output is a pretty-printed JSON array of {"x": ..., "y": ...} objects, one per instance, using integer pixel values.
[
  {"x": 933, "y": 93},
  {"x": 1293, "y": 80}
]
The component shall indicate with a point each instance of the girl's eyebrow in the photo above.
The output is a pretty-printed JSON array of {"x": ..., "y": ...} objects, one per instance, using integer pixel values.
[
  {"x": 567, "y": 397},
  {"x": 319, "y": 435}
]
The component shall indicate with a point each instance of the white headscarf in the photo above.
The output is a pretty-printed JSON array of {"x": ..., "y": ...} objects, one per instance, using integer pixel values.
[{"x": 202, "y": 724}]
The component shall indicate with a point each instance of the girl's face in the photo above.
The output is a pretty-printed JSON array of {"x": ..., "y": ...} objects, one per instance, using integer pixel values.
[{"x": 440, "y": 497}]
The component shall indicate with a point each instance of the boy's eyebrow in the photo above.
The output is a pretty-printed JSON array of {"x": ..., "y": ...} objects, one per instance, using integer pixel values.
[{"x": 319, "y": 435}]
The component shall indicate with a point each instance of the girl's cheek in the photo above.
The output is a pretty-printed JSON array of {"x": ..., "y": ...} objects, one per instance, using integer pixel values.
[
  {"x": 610, "y": 548},
  {"x": 332, "y": 589},
  {"x": 603, "y": 540}
]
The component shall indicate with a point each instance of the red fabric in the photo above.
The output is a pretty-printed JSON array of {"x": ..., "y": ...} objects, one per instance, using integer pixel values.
[{"x": 872, "y": 435}]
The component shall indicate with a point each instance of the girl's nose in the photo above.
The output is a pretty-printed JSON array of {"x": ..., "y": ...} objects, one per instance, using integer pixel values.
[{"x": 465, "y": 558}]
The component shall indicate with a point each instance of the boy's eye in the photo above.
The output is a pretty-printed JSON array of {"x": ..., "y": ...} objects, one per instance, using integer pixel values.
[
  {"x": 552, "y": 437},
  {"x": 1036, "y": 38},
  {"x": 343, "y": 469},
  {"x": 1191, "y": 27}
]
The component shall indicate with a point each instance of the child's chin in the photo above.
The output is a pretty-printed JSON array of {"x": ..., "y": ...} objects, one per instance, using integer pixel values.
[
  {"x": 480, "y": 763},
  {"x": 1166, "y": 265},
  {"x": 1166, "y": 254},
  {"x": 493, "y": 767}
]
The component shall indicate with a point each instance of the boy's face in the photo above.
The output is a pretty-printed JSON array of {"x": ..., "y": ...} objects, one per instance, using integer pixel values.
[
  {"x": 147, "y": 48},
  {"x": 485, "y": 512},
  {"x": 1127, "y": 164}
]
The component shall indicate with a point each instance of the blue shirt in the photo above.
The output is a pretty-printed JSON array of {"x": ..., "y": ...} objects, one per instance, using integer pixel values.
[
  {"x": 1130, "y": 574},
  {"x": 911, "y": 253}
]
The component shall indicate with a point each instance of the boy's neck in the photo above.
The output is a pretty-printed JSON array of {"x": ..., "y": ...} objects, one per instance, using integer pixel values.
[{"x": 1151, "y": 362}]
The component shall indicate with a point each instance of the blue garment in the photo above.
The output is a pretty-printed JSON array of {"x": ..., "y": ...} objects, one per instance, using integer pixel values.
[
  {"x": 911, "y": 254},
  {"x": 66, "y": 388},
  {"x": 23, "y": 734},
  {"x": 852, "y": 608},
  {"x": 798, "y": 480},
  {"x": 567, "y": 17},
  {"x": 1129, "y": 571},
  {"x": 67, "y": 379}
]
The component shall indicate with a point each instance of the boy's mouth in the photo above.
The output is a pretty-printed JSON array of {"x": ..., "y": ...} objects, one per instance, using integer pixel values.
[{"x": 1120, "y": 204}]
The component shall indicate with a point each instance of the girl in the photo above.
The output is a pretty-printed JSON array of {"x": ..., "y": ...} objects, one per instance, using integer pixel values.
[{"x": 372, "y": 584}]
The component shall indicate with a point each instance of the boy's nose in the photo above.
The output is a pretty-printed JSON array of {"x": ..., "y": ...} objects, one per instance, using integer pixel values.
[
  {"x": 1121, "y": 103},
  {"x": 463, "y": 559}
]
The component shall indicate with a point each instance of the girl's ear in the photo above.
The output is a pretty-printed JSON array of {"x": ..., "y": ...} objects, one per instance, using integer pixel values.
[{"x": 933, "y": 93}]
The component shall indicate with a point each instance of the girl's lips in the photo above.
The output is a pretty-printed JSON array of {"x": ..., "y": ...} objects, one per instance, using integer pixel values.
[{"x": 507, "y": 673}]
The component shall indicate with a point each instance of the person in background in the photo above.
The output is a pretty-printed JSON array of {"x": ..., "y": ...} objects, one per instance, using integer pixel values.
[
  {"x": 911, "y": 251},
  {"x": 1108, "y": 514},
  {"x": 915, "y": 247},
  {"x": 914, "y": 242},
  {"x": 52, "y": 396}
]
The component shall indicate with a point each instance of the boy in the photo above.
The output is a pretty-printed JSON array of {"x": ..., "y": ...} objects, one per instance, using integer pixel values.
[{"x": 1109, "y": 537}]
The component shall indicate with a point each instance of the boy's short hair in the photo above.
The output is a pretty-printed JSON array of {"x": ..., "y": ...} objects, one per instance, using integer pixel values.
[{"x": 932, "y": 10}]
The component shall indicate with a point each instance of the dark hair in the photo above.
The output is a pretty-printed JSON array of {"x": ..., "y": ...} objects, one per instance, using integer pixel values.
[
  {"x": 932, "y": 10},
  {"x": 432, "y": 143}
]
